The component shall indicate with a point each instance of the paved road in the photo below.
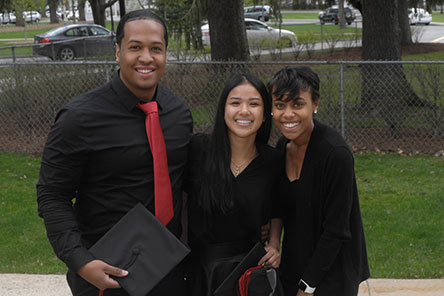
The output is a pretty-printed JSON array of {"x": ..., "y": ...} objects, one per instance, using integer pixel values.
[{"x": 55, "y": 285}]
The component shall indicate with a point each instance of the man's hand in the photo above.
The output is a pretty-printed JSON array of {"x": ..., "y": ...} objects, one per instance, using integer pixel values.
[
  {"x": 272, "y": 258},
  {"x": 98, "y": 274}
]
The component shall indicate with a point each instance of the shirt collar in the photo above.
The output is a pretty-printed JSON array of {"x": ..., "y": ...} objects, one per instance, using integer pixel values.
[{"x": 128, "y": 99}]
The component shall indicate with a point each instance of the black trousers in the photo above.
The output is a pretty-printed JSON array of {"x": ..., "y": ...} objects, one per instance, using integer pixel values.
[{"x": 173, "y": 284}]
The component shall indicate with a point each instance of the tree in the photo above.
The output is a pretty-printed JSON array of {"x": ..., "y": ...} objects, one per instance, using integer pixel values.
[
  {"x": 98, "y": 8},
  {"x": 228, "y": 38},
  {"x": 341, "y": 14},
  {"x": 404, "y": 25},
  {"x": 53, "y": 19},
  {"x": 227, "y": 30},
  {"x": 81, "y": 8},
  {"x": 381, "y": 41}
]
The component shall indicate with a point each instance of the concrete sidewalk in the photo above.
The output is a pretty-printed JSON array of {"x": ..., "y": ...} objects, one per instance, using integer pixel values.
[{"x": 55, "y": 285}]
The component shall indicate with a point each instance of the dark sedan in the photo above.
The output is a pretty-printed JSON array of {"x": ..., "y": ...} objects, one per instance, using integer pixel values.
[
  {"x": 72, "y": 41},
  {"x": 331, "y": 15}
]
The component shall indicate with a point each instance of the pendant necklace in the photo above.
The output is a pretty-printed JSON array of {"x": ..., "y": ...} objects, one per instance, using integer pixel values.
[{"x": 238, "y": 167}]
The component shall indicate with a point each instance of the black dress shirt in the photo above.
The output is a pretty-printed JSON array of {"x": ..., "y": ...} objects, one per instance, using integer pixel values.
[{"x": 98, "y": 154}]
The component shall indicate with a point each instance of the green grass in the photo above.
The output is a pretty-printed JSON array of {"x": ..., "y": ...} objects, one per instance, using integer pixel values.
[
  {"x": 21, "y": 34},
  {"x": 402, "y": 203},
  {"x": 437, "y": 17},
  {"x": 432, "y": 56},
  {"x": 300, "y": 16},
  {"x": 23, "y": 243},
  {"x": 317, "y": 29}
]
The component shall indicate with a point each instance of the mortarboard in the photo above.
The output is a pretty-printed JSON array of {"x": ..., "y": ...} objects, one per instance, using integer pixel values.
[
  {"x": 229, "y": 286},
  {"x": 142, "y": 245}
]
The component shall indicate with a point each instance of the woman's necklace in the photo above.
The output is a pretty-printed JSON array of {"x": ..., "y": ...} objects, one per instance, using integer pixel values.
[{"x": 238, "y": 167}]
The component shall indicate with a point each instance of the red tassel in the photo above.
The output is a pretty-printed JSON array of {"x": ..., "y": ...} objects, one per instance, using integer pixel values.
[
  {"x": 244, "y": 280},
  {"x": 101, "y": 293}
]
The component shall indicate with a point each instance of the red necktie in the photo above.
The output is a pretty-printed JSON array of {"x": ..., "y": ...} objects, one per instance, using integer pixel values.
[{"x": 163, "y": 198}]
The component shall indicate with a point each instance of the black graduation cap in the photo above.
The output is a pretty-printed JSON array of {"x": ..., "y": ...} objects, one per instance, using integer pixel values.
[
  {"x": 142, "y": 245},
  {"x": 229, "y": 286}
]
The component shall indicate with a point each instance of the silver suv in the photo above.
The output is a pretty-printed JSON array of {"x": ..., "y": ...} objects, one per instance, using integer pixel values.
[{"x": 261, "y": 13}]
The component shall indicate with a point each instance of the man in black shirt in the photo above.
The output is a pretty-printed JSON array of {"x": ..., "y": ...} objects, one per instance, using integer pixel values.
[{"x": 98, "y": 154}]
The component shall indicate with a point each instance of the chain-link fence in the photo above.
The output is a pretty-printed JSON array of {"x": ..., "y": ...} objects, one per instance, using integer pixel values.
[{"x": 377, "y": 106}]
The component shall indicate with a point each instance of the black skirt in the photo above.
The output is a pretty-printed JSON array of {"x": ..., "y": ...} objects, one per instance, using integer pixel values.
[{"x": 211, "y": 264}]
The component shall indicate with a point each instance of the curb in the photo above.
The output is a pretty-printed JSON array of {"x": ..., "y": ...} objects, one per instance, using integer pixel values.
[{"x": 56, "y": 285}]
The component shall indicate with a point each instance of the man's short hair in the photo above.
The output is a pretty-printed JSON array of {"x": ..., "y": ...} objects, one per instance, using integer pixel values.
[{"x": 141, "y": 14}]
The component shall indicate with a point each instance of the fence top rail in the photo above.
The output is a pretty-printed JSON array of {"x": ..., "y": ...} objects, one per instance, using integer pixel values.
[{"x": 31, "y": 63}]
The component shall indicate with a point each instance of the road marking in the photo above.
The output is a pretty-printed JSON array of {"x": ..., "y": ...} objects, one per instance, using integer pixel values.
[{"x": 438, "y": 39}]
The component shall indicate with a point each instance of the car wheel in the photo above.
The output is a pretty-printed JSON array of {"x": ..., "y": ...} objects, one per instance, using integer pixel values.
[
  {"x": 427, "y": 24},
  {"x": 349, "y": 23},
  {"x": 66, "y": 53}
]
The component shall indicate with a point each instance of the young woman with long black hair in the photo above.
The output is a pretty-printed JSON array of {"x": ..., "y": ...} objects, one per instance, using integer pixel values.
[{"x": 230, "y": 184}]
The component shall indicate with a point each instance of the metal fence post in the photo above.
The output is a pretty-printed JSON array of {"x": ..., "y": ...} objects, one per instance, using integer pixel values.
[
  {"x": 13, "y": 54},
  {"x": 341, "y": 94}
]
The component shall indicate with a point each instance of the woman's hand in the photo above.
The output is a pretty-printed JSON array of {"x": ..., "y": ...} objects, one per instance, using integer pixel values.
[
  {"x": 300, "y": 293},
  {"x": 272, "y": 258}
]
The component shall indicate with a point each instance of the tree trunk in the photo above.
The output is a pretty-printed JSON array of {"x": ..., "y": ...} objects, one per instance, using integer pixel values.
[
  {"x": 82, "y": 16},
  {"x": 122, "y": 8},
  {"x": 380, "y": 31},
  {"x": 53, "y": 19},
  {"x": 385, "y": 88},
  {"x": 403, "y": 18},
  {"x": 228, "y": 39},
  {"x": 98, "y": 11},
  {"x": 341, "y": 14}
]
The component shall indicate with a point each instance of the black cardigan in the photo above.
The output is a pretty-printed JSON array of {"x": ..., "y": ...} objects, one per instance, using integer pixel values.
[{"x": 324, "y": 241}]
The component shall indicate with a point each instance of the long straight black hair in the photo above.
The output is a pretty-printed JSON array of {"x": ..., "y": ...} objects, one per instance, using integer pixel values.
[{"x": 216, "y": 186}]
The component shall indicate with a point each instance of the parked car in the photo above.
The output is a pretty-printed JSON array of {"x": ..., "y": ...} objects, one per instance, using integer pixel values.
[
  {"x": 258, "y": 12},
  {"x": 331, "y": 15},
  {"x": 71, "y": 41},
  {"x": 419, "y": 16},
  {"x": 8, "y": 18},
  {"x": 31, "y": 16},
  {"x": 257, "y": 33}
]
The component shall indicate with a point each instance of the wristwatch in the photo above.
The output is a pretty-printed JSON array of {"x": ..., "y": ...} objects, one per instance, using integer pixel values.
[{"x": 305, "y": 287}]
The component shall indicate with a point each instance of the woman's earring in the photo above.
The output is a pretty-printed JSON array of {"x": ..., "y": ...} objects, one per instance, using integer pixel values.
[
  {"x": 271, "y": 114},
  {"x": 316, "y": 111}
]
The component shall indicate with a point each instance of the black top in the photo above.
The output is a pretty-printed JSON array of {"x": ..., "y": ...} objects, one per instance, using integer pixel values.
[
  {"x": 323, "y": 233},
  {"x": 253, "y": 190},
  {"x": 98, "y": 153}
]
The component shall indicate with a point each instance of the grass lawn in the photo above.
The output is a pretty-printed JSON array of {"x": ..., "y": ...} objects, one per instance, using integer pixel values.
[
  {"x": 402, "y": 202},
  {"x": 300, "y": 16},
  {"x": 437, "y": 17},
  {"x": 23, "y": 243}
]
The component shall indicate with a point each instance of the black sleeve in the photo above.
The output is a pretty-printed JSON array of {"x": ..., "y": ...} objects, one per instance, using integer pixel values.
[
  {"x": 63, "y": 161},
  {"x": 337, "y": 191},
  {"x": 195, "y": 160},
  {"x": 277, "y": 210}
]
